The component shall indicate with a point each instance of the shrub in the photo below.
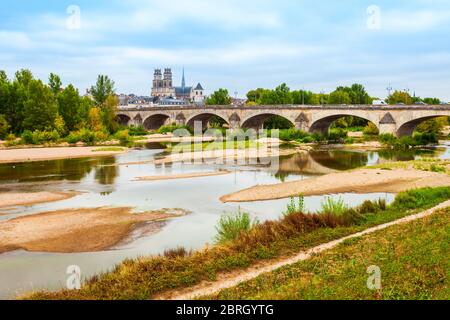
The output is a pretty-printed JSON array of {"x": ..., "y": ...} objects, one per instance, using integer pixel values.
[
  {"x": 124, "y": 137},
  {"x": 173, "y": 127},
  {"x": 73, "y": 137},
  {"x": 137, "y": 131},
  {"x": 337, "y": 135},
  {"x": 43, "y": 137},
  {"x": 101, "y": 136},
  {"x": 87, "y": 136},
  {"x": 371, "y": 130},
  {"x": 230, "y": 227},
  {"x": 179, "y": 252},
  {"x": 11, "y": 137},
  {"x": 27, "y": 137}
]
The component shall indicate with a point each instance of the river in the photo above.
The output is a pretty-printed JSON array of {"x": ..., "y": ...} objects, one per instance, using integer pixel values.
[{"x": 107, "y": 182}]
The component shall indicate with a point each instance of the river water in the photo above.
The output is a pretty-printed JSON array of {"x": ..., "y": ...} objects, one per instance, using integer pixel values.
[{"x": 108, "y": 182}]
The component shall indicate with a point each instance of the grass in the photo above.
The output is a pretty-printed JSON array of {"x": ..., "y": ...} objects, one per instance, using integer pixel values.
[
  {"x": 334, "y": 206},
  {"x": 145, "y": 277},
  {"x": 230, "y": 227},
  {"x": 413, "y": 259},
  {"x": 108, "y": 149},
  {"x": 294, "y": 207},
  {"x": 213, "y": 146},
  {"x": 425, "y": 164}
]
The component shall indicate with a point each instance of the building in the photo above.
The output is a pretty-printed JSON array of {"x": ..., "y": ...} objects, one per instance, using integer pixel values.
[{"x": 164, "y": 90}]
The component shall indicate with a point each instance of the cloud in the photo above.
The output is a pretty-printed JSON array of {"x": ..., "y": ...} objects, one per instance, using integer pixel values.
[{"x": 410, "y": 22}]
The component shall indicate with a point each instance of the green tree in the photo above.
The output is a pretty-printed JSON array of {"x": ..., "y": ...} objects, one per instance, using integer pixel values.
[
  {"x": 220, "y": 98},
  {"x": 4, "y": 127},
  {"x": 69, "y": 102},
  {"x": 255, "y": 95},
  {"x": 339, "y": 96},
  {"x": 109, "y": 113},
  {"x": 55, "y": 84},
  {"x": 103, "y": 88},
  {"x": 281, "y": 95},
  {"x": 4, "y": 92},
  {"x": 302, "y": 97},
  {"x": 18, "y": 93},
  {"x": 432, "y": 101},
  {"x": 359, "y": 95},
  {"x": 40, "y": 107},
  {"x": 400, "y": 97}
]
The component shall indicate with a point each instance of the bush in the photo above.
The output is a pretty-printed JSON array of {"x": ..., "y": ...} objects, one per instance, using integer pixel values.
[
  {"x": 73, "y": 137},
  {"x": 371, "y": 130},
  {"x": 42, "y": 137},
  {"x": 230, "y": 227},
  {"x": 337, "y": 135},
  {"x": 137, "y": 131},
  {"x": 27, "y": 137},
  {"x": 124, "y": 137},
  {"x": 173, "y": 127},
  {"x": 87, "y": 136}
]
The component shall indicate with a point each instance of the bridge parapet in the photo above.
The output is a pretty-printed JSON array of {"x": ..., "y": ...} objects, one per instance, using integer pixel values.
[{"x": 397, "y": 119}]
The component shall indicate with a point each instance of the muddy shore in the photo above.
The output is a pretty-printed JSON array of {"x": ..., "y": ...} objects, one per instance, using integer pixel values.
[{"x": 80, "y": 230}]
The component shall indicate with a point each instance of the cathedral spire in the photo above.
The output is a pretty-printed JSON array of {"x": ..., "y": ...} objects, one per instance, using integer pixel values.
[{"x": 183, "y": 81}]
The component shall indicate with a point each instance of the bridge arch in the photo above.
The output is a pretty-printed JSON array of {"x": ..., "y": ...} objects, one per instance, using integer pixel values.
[
  {"x": 408, "y": 128},
  {"x": 257, "y": 121},
  {"x": 123, "y": 119},
  {"x": 205, "y": 119},
  {"x": 155, "y": 121},
  {"x": 323, "y": 124}
]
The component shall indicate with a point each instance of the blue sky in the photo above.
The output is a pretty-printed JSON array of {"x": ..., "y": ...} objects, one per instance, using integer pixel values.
[{"x": 235, "y": 44}]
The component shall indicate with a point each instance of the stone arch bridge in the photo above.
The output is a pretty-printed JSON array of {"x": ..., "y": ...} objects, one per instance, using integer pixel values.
[{"x": 399, "y": 120}]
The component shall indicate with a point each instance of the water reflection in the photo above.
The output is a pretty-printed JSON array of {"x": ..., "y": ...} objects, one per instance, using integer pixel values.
[{"x": 59, "y": 170}]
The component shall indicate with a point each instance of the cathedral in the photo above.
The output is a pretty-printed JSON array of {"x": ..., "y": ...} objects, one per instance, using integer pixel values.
[{"x": 163, "y": 88}]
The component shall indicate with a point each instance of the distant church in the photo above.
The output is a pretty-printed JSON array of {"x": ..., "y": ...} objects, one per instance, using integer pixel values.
[{"x": 163, "y": 88}]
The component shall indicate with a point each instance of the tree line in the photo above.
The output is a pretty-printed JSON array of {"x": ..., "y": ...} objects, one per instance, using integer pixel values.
[
  {"x": 354, "y": 94},
  {"x": 31, "y": 108}
]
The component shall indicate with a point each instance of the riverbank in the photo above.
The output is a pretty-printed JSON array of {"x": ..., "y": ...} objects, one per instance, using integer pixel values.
[
  {"x": 178, "y": 269},
  {"x": 357, "y": 181},
  {"x": 412, "y": 257},
  {"x": 13, "y": 199},
  {"x": 42, "y": 154},
  {"x": 80, "y": 230}
]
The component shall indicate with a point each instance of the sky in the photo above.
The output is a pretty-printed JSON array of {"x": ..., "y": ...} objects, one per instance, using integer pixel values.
[{"x": 233, "y": 44}]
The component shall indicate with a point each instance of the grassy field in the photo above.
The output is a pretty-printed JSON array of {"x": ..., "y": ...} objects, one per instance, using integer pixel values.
[
  {"x": 146, "y": 277},
  {"x": 413, "y": 259}
]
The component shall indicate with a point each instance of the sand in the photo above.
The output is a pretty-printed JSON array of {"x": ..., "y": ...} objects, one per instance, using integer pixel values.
[
  {"x": 183, "y": 176},
  {"x": 70, "y": 231},
  {"x": 224, "y": 155},
  {"x": 41, "y": 154},
  {"x": 12, "y": 199},
  {"x": 358, "y": 181}
]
